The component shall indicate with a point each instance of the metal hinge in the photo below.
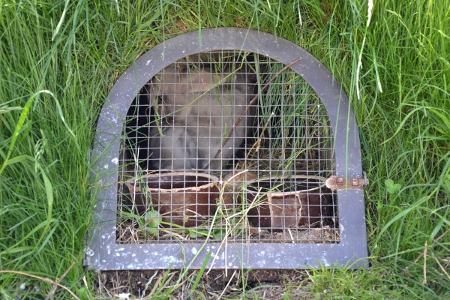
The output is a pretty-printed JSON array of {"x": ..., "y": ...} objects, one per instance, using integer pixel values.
[{"x": 338, "y": 182}]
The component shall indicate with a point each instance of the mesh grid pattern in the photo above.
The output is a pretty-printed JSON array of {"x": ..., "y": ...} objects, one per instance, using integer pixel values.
[{"x": 223, "y": 145}]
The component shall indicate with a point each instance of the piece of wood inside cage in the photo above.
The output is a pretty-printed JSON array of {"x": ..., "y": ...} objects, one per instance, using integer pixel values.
[{"x": 222, "y": 145}]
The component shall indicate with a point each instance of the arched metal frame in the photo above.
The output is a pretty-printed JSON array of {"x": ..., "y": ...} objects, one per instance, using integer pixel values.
[{"x": 104, "y": 254}]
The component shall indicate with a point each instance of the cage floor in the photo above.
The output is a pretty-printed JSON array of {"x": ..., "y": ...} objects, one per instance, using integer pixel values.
[{"x": 226, "y": 146}]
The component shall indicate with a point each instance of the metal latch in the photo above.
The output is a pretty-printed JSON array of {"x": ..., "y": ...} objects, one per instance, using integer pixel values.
[{"x": 338, "y": 182}]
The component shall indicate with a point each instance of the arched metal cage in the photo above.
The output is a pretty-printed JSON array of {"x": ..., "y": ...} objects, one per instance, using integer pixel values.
[{"x": 229, "y": 147}]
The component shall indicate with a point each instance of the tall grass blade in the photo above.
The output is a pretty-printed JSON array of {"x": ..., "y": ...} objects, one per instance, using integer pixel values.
[{"x": 17, "y": 130}]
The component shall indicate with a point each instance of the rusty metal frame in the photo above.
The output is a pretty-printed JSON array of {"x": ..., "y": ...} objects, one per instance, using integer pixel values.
[{"x": 102, "y": 253}]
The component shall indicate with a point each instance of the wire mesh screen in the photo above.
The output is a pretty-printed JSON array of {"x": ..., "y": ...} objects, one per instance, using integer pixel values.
[
  {"x": 219, "y": 148},
  {"x": 226, "y": 146}
]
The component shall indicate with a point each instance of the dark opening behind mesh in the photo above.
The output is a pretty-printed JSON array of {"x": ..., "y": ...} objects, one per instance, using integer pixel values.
[{"x": 220, "y": 145}]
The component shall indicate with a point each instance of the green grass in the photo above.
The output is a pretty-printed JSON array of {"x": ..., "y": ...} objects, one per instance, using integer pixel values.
[{"x": 58, "y": 60}]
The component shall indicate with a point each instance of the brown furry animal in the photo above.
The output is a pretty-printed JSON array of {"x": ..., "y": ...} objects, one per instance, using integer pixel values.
[{"x": 195, "y": 111}]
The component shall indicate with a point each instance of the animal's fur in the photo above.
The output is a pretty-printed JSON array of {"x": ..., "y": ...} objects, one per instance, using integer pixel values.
[{"x": 195, "y": 111}]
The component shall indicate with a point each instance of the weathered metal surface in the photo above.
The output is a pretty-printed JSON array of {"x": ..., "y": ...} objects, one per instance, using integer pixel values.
[{"x": 103, "y": 253}]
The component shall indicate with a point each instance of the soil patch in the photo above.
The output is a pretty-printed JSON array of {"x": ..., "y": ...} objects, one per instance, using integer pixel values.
[{"x": 229, "y": 284}]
